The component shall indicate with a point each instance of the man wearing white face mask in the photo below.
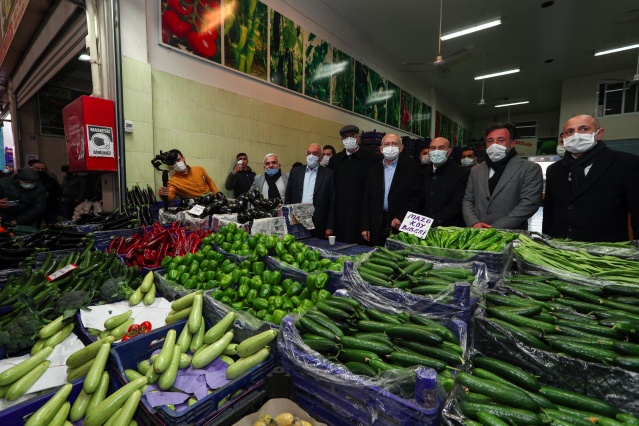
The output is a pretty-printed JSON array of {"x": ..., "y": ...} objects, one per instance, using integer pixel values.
[
  {"x": 444, "y": 186},
  {"x": 394, "y": 186},
  {"x": 350, "y": 167},
  {"x": 504, "y": 191},
  {"x": 187, "y": 181},
  {"x": 315, "y": 185},
  {"x": 23, "y": 199},
  {"x": 561, "y": 149},
  {"x": 591, "y": 191},
  {"x": 424, "y": 159}
]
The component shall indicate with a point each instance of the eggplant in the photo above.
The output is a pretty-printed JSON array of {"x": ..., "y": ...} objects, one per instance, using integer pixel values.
[
  {"x": 225, "y": 210},
  {"x": 220, "y": 195}
]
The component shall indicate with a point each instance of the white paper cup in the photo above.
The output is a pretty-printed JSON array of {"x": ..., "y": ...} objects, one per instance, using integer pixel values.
[{"x": 331, "y": 240}]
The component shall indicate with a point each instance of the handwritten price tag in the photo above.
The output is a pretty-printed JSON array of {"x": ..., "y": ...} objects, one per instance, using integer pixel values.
[
  {"x": 62, "y": 271},
  {"x": 196, "y": 210},
  {"x": 416, "y": 224}
]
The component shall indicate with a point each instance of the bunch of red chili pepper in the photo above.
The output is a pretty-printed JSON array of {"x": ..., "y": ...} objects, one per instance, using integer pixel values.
[
  {"x": 196, "y": 21},
  {"x": 147, "y": 250},
  {"x": 136, "y": 330}
]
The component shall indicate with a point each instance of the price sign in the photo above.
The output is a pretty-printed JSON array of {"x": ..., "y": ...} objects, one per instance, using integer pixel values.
[
  {"x": 196, "y": 210},
  {"x": 416, "y": 224},
  {"x": 62, "y": 271}
]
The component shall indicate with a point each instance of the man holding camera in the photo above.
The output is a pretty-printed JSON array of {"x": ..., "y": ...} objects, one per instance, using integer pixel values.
[
  {"x": 187, "y": 181},
  {"x": 23, "y": 199},
  {"x": 241, "y": 177}
]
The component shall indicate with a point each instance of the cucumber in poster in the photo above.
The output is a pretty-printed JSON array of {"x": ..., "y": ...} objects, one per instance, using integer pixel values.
[
  {"x": 245, "y": 36},
  {"x": 342, "y": 81},
  {"x": 370, "y": 93},
  {"x": 319, "y": 68},
  {"x": 286, "y": 52}
]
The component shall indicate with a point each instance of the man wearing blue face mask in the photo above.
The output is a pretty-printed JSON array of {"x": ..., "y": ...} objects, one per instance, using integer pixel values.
[
  {"x": 273, "y": 182},
  {"x": 591, "y": 191},
  {"x": 394, "y": 186},
  {"x": 23, "y": 200},
  {"x": 444, "y": 186},
  {"x": 315, "y": 185},
  {"x": 504, "y": 191}
]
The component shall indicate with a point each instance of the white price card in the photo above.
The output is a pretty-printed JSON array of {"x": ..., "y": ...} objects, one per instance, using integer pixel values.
[
  {"x": 62, "y": 271},
  {"x": 196, "y": 210},
  {"x": 416, "y": 224}
]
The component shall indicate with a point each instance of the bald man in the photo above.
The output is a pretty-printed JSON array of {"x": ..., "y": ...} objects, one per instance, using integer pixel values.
[
  {"x": 592, "y": 190},
  {"x": 315, "y": 185},
  {"x": 444, "y": 186}
]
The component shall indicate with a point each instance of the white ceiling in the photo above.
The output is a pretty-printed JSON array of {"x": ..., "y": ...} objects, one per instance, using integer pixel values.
[{"x": 568, "y": 33}]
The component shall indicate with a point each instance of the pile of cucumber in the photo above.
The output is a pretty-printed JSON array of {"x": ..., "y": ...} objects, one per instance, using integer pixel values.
[
  {"x": 596, "y": 324},
  {"x": 368, "y": 341},
  {"x": 392, "y": 269},
  {"x": 499, "y": 393}
]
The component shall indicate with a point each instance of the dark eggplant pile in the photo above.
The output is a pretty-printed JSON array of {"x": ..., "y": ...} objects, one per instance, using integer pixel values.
[
  {"x": 249, "y": 206},
  {"x": 136, "y": 212}
]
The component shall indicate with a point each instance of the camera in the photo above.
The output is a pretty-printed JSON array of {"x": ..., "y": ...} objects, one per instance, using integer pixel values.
[{"x": 169, "y": 158}]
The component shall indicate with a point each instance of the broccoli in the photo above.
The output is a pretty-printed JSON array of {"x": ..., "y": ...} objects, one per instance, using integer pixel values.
[
  {"x": 22, "y": 332},
  {"x": 72, "y": 301},
  {"x": 114, "y": 290}
]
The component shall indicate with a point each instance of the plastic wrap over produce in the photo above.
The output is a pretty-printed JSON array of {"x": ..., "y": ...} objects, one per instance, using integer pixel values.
[
  {"x": 615, "y": 385},
  {"x": 298, "y": 274},
  {"x": 457, "y": 300},
  {"x": 233, "y": 257},
  {"x": 168, "y": 289},
  {"x": 624, "y": 250},
  {"x": 245, "y": 325},
  {"x": 400, "y": 382},
  {"x": 194, "y": 223}
]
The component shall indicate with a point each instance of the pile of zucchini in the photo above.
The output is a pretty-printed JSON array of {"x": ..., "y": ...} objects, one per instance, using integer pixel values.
[
  {"x": 368, "y": 341},
  {"x": 499, "y": 393},
  {"x": 596, "y": 324},
  {"x": 392, "y": 269}
]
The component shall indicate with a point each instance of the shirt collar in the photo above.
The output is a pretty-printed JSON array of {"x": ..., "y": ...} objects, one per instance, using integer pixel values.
[
  {"x": 392, "y": 164},
  {"x": 309, "y": 170}
]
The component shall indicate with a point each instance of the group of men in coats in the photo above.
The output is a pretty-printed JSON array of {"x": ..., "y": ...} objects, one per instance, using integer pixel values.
[{"x": 362, "y": 197}]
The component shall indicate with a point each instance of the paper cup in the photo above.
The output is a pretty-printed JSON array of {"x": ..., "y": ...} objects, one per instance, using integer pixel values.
[{"x": 331, "y": 240}]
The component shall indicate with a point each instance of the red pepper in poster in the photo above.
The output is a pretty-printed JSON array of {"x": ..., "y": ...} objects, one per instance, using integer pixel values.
[
  {"x": 202, "y": 44},
  {"x": 181, "y": 9},
  {"x": 172, "y": 21}
]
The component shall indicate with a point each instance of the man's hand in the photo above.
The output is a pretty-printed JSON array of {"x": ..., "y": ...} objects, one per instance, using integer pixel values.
[
  {"x": 366, "y": 235},
  {"x": 4, "y": 204},
  {"x": 396, "y": 223},
  {"x": 238, "y": 168},
  {"x": 164, "y": 191},
  {"x": 481, "y": 225},
  {"x": 328, "y": 233}
]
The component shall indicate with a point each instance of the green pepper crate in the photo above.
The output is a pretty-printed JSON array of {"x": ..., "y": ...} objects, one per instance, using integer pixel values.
[{"x": 205, "y": 411}]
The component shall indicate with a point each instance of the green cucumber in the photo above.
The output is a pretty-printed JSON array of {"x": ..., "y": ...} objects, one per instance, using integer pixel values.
[
  {"x": 406, "y": 359},
  {"x": 346, "y": 355},
  {"x": 597, "y": 329},
  {"x": 570, "y": 418},
  {"x": 355, "y": 343},
  {"x": 521, "y": 321},
  {"x": 380, "y": 365},
  {"x": 627, "y": 362},
  {"x": 578, "y": 401},
  {"x": 448, "y": 357},
  {"x": 594, "y": 341},
  {"x": 526, "y": 337},
  {"x": 332, "y": 311},
  {"x": 361, "y": 369},
  {"x": 374, "y": 326},
  {"x": 322, "y": 345},
  {"x": 498, "y": 299},
  {"x": 489, "y": 375},
  {"x": 324, "y": 321},
  {"x": 488, "y": 419},
  {"x": 510, "y": 372},
  {"x": 498, "y": 392},
  {"x": 584, "y": 351},
  {"x": 438, "y": 328},
  {"x": 415, "y": 333},
  {"x": 376, "y": 315},
  {"x": 626, "y": 348},
  {"x": 515, "y": 415}
]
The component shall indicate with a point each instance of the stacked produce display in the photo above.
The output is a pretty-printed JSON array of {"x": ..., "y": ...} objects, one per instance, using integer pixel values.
[{"x": 444, "y": 330}]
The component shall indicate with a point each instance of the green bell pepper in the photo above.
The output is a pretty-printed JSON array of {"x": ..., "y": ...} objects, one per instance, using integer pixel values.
[
  {"x": 294, "y": 289},
  {"x": 251, "y": 296},
  {"x": 276, "y": 278},
  {"x": 261, "y": 250},
  {"x": 226, "y": 281},
  {"x": 265, "y": 291},
  {"x": 258, "y": 268},
  {"x": 260, "y": 303},
  {"x": 278, "y": 314},
  {"x": 243, "y": 290}
]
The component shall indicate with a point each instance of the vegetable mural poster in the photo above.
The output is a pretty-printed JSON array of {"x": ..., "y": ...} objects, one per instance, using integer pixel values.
[
  {"x": 246, "y": 37},
  {"x": 342, "y": 80},
  {"x": 370, "y": 93},
  {"x": 286, "y": 52},
  {"x": 318, "y": 69}
]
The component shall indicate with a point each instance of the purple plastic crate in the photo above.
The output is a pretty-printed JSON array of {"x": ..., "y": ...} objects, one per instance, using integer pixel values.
[{"x": 128, "y": 354}]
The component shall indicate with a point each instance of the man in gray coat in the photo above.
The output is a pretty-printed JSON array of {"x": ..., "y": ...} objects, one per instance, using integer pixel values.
[
  {"x": 272, "y": 184},
  {"x": 505, "y": 190}
]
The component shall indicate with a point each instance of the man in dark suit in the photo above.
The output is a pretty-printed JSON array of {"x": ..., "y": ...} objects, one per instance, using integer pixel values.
[
  {"x": 350, "y": 167},
  {"x": 444, "y": 186},
  {"x": 393, "y": 187},
  {"x": 591, "y": 191},
  {"x": 315, "y": 185}
]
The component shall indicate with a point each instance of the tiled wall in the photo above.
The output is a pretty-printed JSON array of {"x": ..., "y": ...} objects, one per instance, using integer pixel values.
[
  {"x": 209, "y": 125},
  {"x": 626, "y": 145}
]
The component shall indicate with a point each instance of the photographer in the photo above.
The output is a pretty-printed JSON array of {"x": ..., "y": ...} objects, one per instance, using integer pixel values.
[
  {"x": 186, "y": 181},
  {"x": 241, "y": 178},
  {"x": 23, "y": 200}
]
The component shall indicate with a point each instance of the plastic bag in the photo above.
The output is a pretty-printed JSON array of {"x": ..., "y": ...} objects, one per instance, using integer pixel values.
[
  {"x": 194, "y": 223},
  {"x": 170, "y": 216},
  {"x": 601, "y": 249},
  {"x": 85, "y": 207}
]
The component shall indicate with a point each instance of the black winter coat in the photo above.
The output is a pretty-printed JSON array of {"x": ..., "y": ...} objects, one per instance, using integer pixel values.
[{"x": 444, "y": 191}]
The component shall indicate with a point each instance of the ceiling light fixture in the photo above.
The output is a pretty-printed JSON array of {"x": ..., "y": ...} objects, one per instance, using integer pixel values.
[
  {"x": 473, "y": 29},
  {"x": 512, "y": 104},
  {"x": 84, "y": 57},
  {"x": 497, "y": 74},
  {"x": 618, "y": 49}
]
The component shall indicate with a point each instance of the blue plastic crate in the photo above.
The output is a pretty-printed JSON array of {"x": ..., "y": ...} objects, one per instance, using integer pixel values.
[
  {"x": 337, "y": 249},
  {"x": 338, "y": 404},
  {"x": 128, "y": 354}
]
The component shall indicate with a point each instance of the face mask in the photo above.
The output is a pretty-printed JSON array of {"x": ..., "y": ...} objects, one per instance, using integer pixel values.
[
  {"x": 349, "y": 144},
  {"x": 312, "y": 161},
  {"x": 271, "y": 172},
  {"x": 578, "y": 143},
  {"x": 179, "y": 166},
  {"x": 438, "y": 157},
  {"x": 390, "y": 152},
  {"x": 325, "y": 161},
  {"x": 467, "y": 162},
  {"x": 561, "y": 150},
  {"x": 426, "y": 159},
  {"x": 497, "y": 152},
  {"x": 26, "y": 185}
]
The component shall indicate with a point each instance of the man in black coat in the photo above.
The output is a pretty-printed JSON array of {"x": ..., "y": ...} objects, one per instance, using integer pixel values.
[
  {"x": 241, "y": 177},
  {"x": 350, "y": 168},
  {"x": 314, "y": 184},
  {"x": 444, "y": 186},
  {"x": 591, "y": 191},
  {"x": 393, "y": 187}
]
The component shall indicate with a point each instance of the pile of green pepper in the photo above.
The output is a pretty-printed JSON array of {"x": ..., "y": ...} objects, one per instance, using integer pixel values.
[
  {"x": 300, "y": 256},
  {"x": 462, "y": 238}
]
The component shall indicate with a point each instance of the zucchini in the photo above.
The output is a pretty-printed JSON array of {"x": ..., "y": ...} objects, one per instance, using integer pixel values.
[
  {"x": 510, "y": 372},
  {"x": 79, "y": 407},
  {"x": 185, "y": 361},
  {"x": 205, "y": 355},
  {"x": 41, "y": 343},
  {"x": 44, "y": 415},
  {"x": 185, "y": 339},
  {"x": 17, "y": 371},
  {"x": 578, "y": 401},
  {"x": 107, "y": 408},
  {"x": 147, "y": 282},
  {"x": 88, "y": 352},
  {"x": 119, "y": 331},
  {"x": 214, "y": 333},
  {"x": 163, "y": 360},
  {"x": 498, "y": 392},
  {"x": 366, "y": 345},
  {"x": 51, "y": 328},
  {"x": 244, "y": 364},
  {"x": 116, "y": 320},
  {"x": 145, "y": 365},
  {"x": 149, "y": 297},
  {"x": 22, "y": 385},
  {"x": 175, "y": 316},
  {"x": 195, "y": 316},
  {"x": 197, "y": 339},
  {"x": 167, "y": 378},
  {"x": 230, "y": 350},
  {"x": 60, "y": 418},
  {"x": 254, "y": 343},
  {"x": 131, "y": 375},
  {"x": 184, "y": 301},
  {"x": 136, "y": 297},
  {"x": 60, "y": 335},
  {"x": 360, "y": 369},
  {"x": 406, "y": 359},
  {"x": 81, "y": 371},
  {"x": 515, "y": 415},
  {"x": 94, "y": 375},
  {"x": 127, "y": 411}
]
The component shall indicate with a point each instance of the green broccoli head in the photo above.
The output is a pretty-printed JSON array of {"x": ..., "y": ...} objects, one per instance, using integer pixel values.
[
  {"x": 22, "y": 332},
  {"x": 72, "y": 301},
  {"x": 115, "y": 289}
]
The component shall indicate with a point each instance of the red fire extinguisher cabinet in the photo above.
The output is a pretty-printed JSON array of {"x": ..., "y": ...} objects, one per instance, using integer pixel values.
[{"x": 89, "y": 128}]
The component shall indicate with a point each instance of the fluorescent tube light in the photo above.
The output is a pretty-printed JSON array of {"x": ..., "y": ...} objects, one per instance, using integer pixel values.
[
  {"x": 618, "y": 49},
  {"x": 479, "y": 27},
  {"x": 512, "y": 104},
  {"x": 497, "y": 74},
  {"x": 84, "y": 57}
]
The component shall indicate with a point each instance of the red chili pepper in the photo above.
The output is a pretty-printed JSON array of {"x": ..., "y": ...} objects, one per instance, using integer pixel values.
[
  {"x": 134, "y": 330},
  {"x": 173, "y": 23},
  {"x": 179, "y": 8},
  {"x": 202, "y": 44},
  {"x": 145, "y": 327},
  {"x": 113, "y": 245}
]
